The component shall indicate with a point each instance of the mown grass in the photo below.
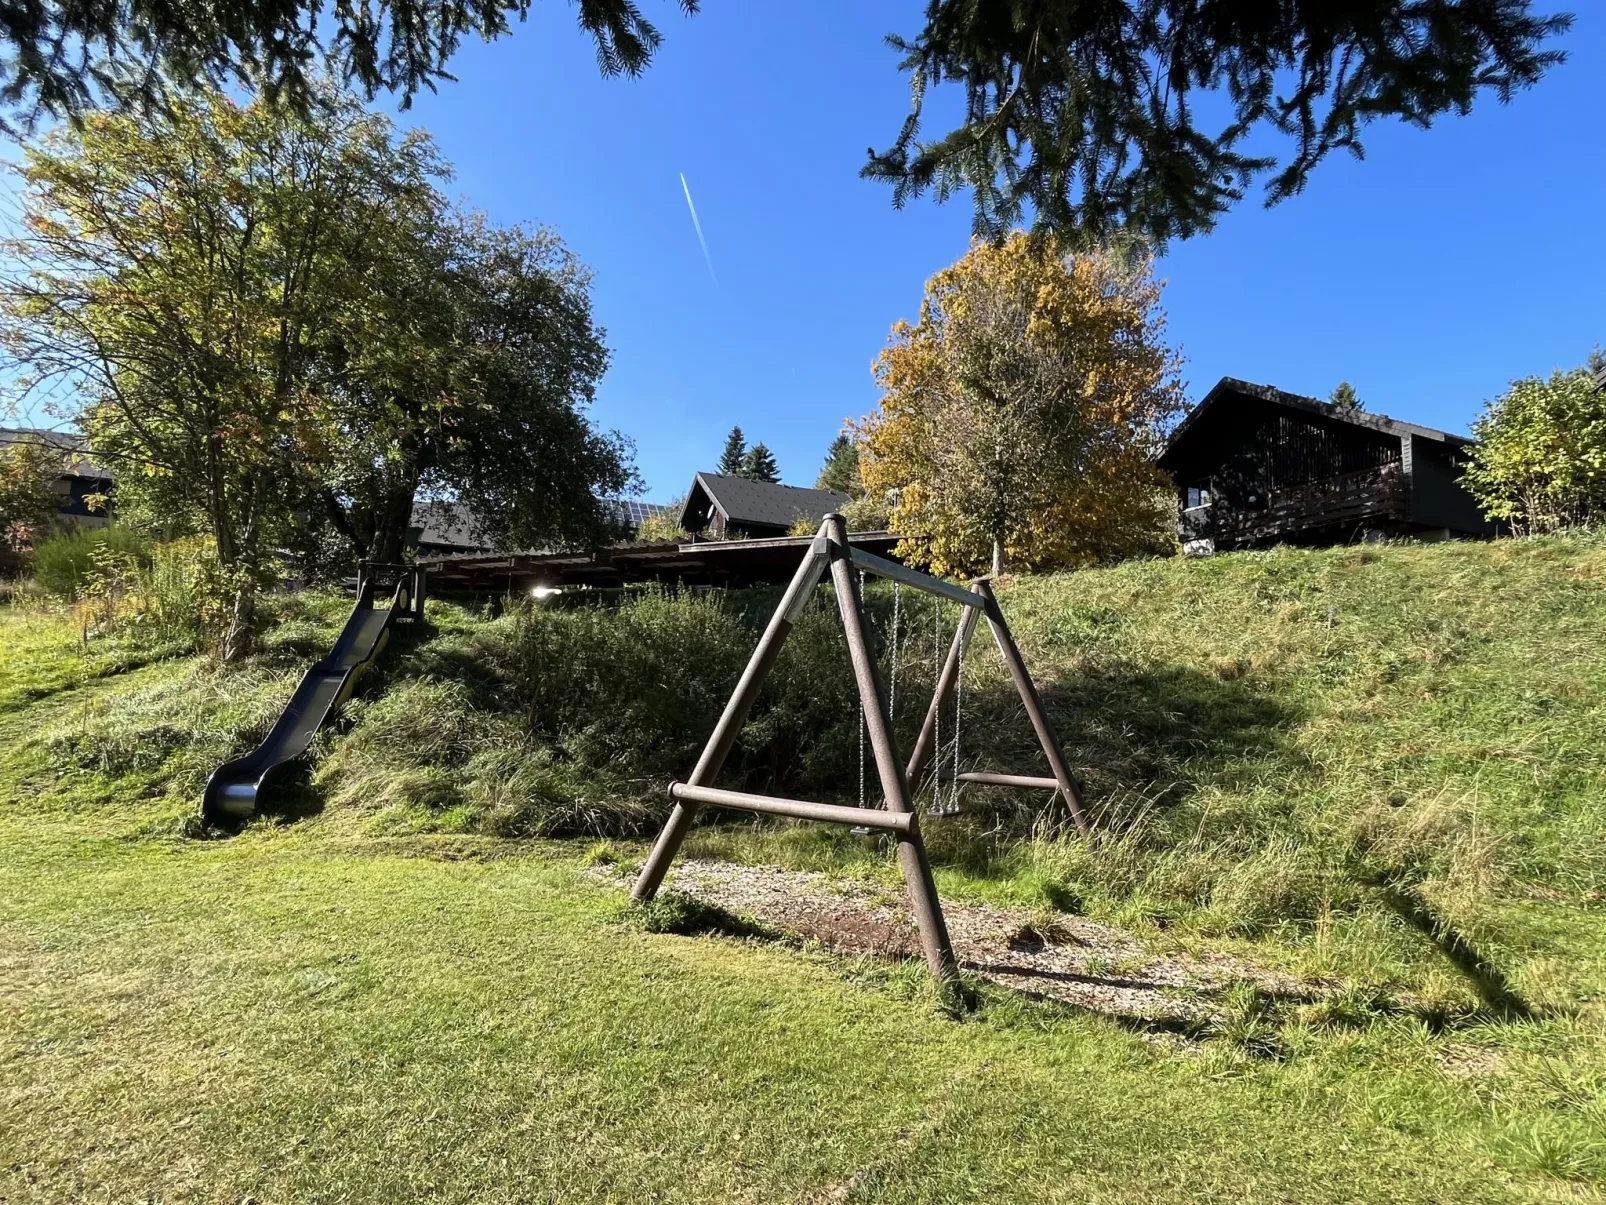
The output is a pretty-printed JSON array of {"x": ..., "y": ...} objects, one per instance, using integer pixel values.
[
  {"x": 290, "y": 1018},
  {"x": 1380, "y": 769}
]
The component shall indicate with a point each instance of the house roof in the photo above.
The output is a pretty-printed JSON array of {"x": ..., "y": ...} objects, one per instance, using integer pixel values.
[
  {"x": 741, "y": 500},
  {"x": 633, "y": 513},
  {"x": 1232, "y": 386},
  {"x": 74, "y": 449},
  {"x": 451, "y": 525}
]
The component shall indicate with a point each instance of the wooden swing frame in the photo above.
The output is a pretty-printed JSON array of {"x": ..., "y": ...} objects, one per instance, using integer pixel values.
[{"x": 831, "y": 550}]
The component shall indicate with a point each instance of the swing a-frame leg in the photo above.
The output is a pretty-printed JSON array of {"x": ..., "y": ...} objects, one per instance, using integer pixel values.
[
  {"x": 925, "y": 744},
  {"x": 831, "y": 551}
]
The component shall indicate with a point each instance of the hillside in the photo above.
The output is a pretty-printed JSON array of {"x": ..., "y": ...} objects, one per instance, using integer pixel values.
[{"x": 1377, "y": 770}]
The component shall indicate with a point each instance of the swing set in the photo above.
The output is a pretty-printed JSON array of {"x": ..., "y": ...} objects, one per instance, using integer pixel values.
[{"x": 830, "y": 550}]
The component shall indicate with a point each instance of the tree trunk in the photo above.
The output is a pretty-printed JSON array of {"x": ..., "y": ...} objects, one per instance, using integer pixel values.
[
  {"x": 242, "y": 624},
  {"x": 390, "y": 533},
  {"x": 998, "y": 556}
]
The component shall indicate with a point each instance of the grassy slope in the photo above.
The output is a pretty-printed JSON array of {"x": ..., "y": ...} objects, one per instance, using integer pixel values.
[{"x": 313, "y": 1010}]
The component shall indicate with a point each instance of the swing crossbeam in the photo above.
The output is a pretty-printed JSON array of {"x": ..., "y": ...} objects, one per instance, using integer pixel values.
[
  {"x": 902, "y": 823},
  {"x": 986, "y": 778},
  {"x": 882, "y": 567}
]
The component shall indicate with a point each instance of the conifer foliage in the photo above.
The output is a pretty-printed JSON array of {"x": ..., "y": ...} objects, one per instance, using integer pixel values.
[
  {"x": 1346, "y": 399},
  {"x": 759, "y": 465},
  {"x": 734, "y": 457},
  {"x": 841, "y": 469},
  {"x": 1085, "y": 113}
]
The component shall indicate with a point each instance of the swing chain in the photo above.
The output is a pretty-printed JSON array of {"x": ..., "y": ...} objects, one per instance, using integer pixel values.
[
  {"x": 864, "y": 720},
  {"x": 959, "y": 700}
]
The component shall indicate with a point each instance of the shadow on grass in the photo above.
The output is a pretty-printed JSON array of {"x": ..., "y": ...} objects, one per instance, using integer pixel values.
[
  {"x": 687, "y": 916},
  {"x": 1494, "y": 989},
  {"x": 1161, "y": 733}
]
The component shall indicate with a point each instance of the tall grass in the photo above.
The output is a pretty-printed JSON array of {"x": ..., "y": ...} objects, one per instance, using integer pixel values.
[
  {"x": 1406, "y": 738},
  {"x": 66, "y": 563},
  {"x": 118, "y": 583}
]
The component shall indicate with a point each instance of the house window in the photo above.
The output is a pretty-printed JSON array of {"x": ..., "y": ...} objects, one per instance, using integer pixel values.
[{"x": 1198, "y": 495}]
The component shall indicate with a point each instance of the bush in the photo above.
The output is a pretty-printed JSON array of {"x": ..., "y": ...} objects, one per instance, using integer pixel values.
[
  {"x": 573, "y": 720},
  {"x": 120, "y": 583},
  {"x": 64, "y": 564},
  {"x": 1540, "y": 460}
]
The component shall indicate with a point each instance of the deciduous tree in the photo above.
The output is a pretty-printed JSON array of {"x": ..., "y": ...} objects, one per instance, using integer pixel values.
[
  {"x": 1018, "y": 415},
  {"x": 484, "y": 402},
  {"x": 1540, "y": 460},
  {"x": 179, "y": 277},
  {"x": 268, "y": 322},
  {"x": 28, "y": 499}
]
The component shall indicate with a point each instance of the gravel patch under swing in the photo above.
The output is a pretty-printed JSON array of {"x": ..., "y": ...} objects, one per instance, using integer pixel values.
[{"x": 1066, "y": 958}]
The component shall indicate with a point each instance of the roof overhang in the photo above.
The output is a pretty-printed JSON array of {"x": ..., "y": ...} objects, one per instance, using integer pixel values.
[{"x": 1233, "y": 386}]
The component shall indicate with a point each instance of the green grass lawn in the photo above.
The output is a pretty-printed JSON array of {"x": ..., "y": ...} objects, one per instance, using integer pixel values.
[{"x": 338, "y": 1004}]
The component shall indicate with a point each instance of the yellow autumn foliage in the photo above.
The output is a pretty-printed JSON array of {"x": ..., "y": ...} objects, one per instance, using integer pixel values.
[{"x": 1019, "y": 415}]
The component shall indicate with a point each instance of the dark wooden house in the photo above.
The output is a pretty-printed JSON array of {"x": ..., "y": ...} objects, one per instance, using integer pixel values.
[
  {"x": 726, "y": 507},
  {"x": 1255, "y": 466},
  {"x": 84, "y": 488}
]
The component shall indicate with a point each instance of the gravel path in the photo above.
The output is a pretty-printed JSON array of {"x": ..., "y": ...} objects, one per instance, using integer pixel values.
[{"x": 1075, "y": 960}]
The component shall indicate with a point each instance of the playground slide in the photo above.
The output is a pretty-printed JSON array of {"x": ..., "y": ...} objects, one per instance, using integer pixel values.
[{"x": 232, "y": 791}]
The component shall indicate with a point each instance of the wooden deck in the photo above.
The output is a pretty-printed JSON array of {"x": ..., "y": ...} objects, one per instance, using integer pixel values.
[{"x": 1373, "y": 496}]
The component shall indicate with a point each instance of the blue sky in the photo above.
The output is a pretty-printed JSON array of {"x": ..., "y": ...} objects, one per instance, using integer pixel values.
[{"x": 1447, "y": 263}]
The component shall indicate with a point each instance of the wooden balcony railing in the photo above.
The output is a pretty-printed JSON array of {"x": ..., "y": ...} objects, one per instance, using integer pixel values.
[{"x": 1371, "y": 494}]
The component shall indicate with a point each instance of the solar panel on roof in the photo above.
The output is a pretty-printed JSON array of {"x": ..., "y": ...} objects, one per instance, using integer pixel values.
[{"x": 633, "y": 512}]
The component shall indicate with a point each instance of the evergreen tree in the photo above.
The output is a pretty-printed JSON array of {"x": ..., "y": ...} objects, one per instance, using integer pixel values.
[
  {"x": 1344, "y": 397},
  {"x": 734, "y": 457},
  {"x": 1079, "y": 113},
  {"x": 759, "y": 465},
  {"x": 841, "y": 471}
]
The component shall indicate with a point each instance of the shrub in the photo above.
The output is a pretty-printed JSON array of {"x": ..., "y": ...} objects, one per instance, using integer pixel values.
[
  {"x": 1540, "y": 461},
  {"x": 64, "y": 564},
  {"x": 28, "y": 473}
]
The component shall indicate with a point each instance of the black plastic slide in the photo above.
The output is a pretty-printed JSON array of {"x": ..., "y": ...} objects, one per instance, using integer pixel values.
[{"x": 233, "y": 789}]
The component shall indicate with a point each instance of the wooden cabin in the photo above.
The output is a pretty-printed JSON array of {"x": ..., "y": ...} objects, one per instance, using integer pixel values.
[
  {"x": 84, "y": 487},
  {"x": 1255, "y": 466},
  {"x": 723, "y": 508}
]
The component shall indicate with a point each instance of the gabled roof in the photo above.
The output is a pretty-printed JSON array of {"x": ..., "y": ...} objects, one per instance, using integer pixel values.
[
  {"x": 74, "y": 449},
  {"x": 741, "y": 500},
  {"x": 1231, "y": 386}
]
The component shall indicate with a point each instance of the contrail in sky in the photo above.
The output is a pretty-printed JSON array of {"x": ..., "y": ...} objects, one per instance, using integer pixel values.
[{"x": 698, "y": 226}]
